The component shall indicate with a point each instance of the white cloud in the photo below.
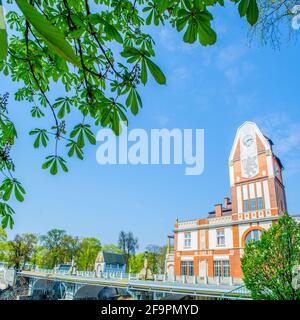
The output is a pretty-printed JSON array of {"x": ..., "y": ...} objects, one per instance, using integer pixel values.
[
  {"x": 285, "y": 133},
  {"x": 167, "y": 39},
  {"x": 162, "y": 120},
  {"x": 172, "y": 40},
  {"x": 180, "y": 74},
  {"x": 283, "y": 130},
  {"x": 228, "y": 56}
]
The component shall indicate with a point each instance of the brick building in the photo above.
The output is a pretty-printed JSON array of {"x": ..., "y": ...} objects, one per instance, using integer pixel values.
[{"x": 209, "y": 250}]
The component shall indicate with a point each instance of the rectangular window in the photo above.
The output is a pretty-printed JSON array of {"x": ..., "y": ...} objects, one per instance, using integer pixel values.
[
  {"x": 191, "y": 268},
  {"x": 184, "y": 268},
  {"x": 217, "y": 268},
  {"x": 253, "y": 204},
  {"x": 187, "y": 268},
  {"x": 220, "y": 237},
  {"x": 187, "y": 240},
  {"x": 246, "y": 205},
  {"x": 226, "y": 268},
  {"x": 221, "y": 268},
  {"x": 260, "y": 203}
]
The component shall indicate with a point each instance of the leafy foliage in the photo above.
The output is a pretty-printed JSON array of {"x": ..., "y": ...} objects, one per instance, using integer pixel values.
[
  {"x": 128, "y": 244},
  {"x": 156, "y": 258},
  {"x": 21, "y": 249},
  {"x": 3, "y": 245},
  {"x": 9, "y": 185},
  {"x": 268, "y": 264},
  {"x": 86, "y": 257},
  {"x": 3, "y": 35}
]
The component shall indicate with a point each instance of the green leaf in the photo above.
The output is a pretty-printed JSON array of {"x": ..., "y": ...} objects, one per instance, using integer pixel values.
[
  {"x": 144, "y": 76},
  {"x": 149, "y": 18},
  {"x": 243, "y": 6},
  {"x": 88, "y": 133},
  {"x": 50, "y": 34},
  {"x": 62, "y": 164},
  {"x": 80, "y": 139},
  {"x": 156, "y": 72},
  {"x": 10, "y": 185},
  {"x": 36, "y": 112},
  {"x": 113, "y": 33},
  {"x": 41, "y": 137},
  {"x": 8, "y": 191},
  {"x": 74, "y": 148},
  {"x": 18, "y": 194},
  {"x": 53, "y": 169},
  {"x": 207, "y": 35},
  {"x": 190, "y": 34},
  {"x": 47, "y": 164},
  {"x": 252, "y": 12},
  {"x": 3, "y": 35},
  {"x": 36, "y": 143},
  {"x": 4, "y": 221}
]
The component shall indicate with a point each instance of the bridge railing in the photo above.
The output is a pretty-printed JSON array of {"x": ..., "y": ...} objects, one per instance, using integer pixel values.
[
  {"x": 237, "y": 293},
  {"x": 90, "y": 274}
]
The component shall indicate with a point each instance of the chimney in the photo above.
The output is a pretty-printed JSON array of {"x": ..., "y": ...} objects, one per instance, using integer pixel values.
[
  {"x": 226, "y": 202},
  {"x": 218, "y": 210}
]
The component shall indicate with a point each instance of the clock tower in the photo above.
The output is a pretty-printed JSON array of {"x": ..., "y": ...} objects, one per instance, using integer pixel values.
[{"x": 257, "y": 189}]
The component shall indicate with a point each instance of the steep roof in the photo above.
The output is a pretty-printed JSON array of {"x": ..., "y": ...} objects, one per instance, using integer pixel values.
[{"x": 114, "y": 258}]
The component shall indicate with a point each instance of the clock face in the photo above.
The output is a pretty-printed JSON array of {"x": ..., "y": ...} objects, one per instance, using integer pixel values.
[
  {"x": 248, "y": 140},
  {"x": 248, "y": 151}
]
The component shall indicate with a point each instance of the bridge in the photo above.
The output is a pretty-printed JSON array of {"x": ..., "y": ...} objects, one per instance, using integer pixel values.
[{"x": 87, "y": 285}]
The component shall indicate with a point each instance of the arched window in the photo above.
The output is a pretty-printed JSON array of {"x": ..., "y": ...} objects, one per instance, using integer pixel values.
[{"x": 253, "y": 235}]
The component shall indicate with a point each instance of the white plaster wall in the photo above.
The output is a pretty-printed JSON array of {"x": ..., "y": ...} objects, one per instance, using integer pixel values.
[
  {"x": 212, "y": 236},
  {"x": 265, "y": 225},
  {"x": 270, "y": 165},
  {"x": 239, "y": 199},
  {"x": 267, "y": 194}
]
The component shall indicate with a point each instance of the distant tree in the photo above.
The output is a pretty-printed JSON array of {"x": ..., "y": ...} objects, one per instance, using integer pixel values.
[
  {"x": 53, "y": 241},
  {"x": 70, "y": 247},
  {"x": 154, "y": 252},
  {"x": 136, "y": 262},
  {"x": 128, "y": 244},
  {"x": 89, "y": 249},
  {"x": 111, "y": 248},
  {"x": 156, "y": 258},
  {"x": 268, "y": 263},
  {"x": 3, "y": 235},
  {"x": 122, "y": 241},
  {"x": 21, "y": 249},
  {"x": 38, "y": 256},
  {"x": 162, "y": 258}
]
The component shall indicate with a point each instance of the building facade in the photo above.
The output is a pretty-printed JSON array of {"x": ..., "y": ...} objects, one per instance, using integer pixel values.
[{"x": 209, "y": 250}]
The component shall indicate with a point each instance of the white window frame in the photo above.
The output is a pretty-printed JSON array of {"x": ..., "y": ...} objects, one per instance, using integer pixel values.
[
  {"x": 220, "y": 235},
  {"x": 187, "y": 240}
]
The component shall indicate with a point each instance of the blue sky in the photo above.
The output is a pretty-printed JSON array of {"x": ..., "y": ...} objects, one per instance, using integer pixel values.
[{"x": 215, "y": 88}]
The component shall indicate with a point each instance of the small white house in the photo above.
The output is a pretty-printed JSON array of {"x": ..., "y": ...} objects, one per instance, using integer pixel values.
[{"x": 110, "y": 262}]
